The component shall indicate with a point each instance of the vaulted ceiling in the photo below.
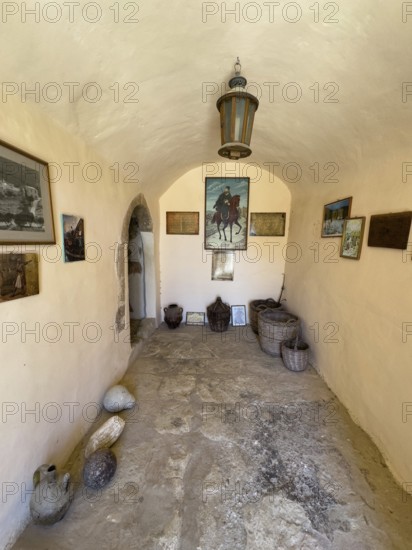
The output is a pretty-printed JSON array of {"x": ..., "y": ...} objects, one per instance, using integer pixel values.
[{"x": 346, "y": 61}]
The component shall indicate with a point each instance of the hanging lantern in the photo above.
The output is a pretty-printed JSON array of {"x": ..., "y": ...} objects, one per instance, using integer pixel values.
[{"x": 237, "y": 111}]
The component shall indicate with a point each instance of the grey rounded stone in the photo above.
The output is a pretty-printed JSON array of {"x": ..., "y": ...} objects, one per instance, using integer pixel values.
[
  {"x": 118, "y": 398},
  {"x": 99, "y": 468}
]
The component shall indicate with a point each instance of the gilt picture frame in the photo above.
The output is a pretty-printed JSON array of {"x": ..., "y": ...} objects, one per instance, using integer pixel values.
[
  {"x": 26, "y": 214},
  {"x": 352, "y": 238}
]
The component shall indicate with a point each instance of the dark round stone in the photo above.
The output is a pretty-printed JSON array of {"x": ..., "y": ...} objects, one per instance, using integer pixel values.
[{"x": 99, "y": 468}]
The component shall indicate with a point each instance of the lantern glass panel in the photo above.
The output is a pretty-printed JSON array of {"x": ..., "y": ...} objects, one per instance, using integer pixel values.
[
  {"x": 251, "y": 116},
  {"x": 228, "y": 118},
  {"x": 240, "y": 113}
]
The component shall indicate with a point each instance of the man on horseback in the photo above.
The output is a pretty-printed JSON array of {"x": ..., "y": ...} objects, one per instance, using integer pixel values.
[{"x": 223, "y": 202}]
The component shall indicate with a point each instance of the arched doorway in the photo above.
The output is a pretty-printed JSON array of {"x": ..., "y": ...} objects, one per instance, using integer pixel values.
[
  {"x": 136, "y": 277},
  {"x": 136, "y": 272}
]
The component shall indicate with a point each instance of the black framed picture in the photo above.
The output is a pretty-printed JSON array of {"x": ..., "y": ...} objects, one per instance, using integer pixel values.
[
  {"x": 25, "y": 201},
  {"x": 226, "y": 213}
]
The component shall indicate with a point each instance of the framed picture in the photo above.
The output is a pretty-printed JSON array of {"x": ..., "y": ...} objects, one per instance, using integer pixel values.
[
  {"x": 238, "y": 316},
  {"x": 352, "y": 238},
  {"x": 223, "y": 264},
  {"x": 73, "y": 238},
  {"x": 267, "y": 224},
  {"x": 195, "y": 318},
  {"x": 390, "y": 230},
  {"x": 25, "y": 202},
  {"x": 334, "y": 215},
  {"x": 226, "y": 213},
  {"x": 182, "y": 223},
  {"x": 19, "y": 276}
]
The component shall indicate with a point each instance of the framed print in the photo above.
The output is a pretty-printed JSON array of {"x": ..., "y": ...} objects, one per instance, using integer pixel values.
[
  {"x": 267, "y": 224},
  {"x": 182, "y": 223},
  {"x": 352, "y": 238},
  {"x": 390, "y": 230},
  {"x": 238, "y": 314},
  {"x": 195, "y": 318},
  {"x": 226, "y": 213},
  {"x": 73, "y": 238},
  {"x": 19, "y": 276},
  {"x": 223, "y": 264},
  {"x": 334, "y": 215},
  {"x": 25, "y": 202}
]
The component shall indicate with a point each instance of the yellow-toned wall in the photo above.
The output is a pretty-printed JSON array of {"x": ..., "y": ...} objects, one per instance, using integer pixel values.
[
  {"x": 185, "y": 267},
  {"x": 358, "y": 311},
  {"x": 74, "y": 355}
]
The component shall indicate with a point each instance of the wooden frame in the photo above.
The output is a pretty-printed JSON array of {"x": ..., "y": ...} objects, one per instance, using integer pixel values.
[
  {"x": 19, "y": 276},
  {"x": 221, "y": 209},
  {"x": 390, "y": 230},
  {"x": 182, "y": 223},
  {"x": 223, "y": 265},
  {"x": 334, "y": 215},
  {"x": 195, "y": 318},
  {"x": 26, "y": 214},
  {"x": 352, "y": 238},
  {"x": 267, "y": 224},
  {"x": 238, "y": 316}
]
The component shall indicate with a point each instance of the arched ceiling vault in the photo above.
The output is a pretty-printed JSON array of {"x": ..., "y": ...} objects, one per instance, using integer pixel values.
[{"x": 176, "y": 59}]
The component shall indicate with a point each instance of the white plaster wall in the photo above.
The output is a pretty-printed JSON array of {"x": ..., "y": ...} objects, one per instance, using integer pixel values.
[
  {"x": 185, "y": 267},
  {"x": 53, "y": 365},
  {"x": 365, "y": 303}
]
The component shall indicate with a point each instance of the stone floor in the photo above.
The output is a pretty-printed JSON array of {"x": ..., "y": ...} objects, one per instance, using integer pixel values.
[{"x": 228, "y": 450}]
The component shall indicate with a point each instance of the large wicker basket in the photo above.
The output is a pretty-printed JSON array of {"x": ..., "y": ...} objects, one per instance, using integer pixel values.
[
  {"x": 275, "y": 327},
  {"x": 256, "y": 306},
  {"x": 295, "y": 354}
]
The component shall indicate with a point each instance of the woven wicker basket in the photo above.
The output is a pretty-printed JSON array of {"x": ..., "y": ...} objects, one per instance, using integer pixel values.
[
  {"x": 295, "y": 354},
  {"x": 218, "y": 315},
  {"x": 275, "y": 327},
  {"x": 256, "y": 307}
]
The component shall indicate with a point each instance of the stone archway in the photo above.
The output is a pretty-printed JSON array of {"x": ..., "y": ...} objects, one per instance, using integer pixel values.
[{"x": 137, "y": 221}]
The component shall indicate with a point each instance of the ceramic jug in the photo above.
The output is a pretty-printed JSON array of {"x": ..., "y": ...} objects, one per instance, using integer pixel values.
[
  {"x": 52, "y": 495},
  {"x": 173, "y": 315}
]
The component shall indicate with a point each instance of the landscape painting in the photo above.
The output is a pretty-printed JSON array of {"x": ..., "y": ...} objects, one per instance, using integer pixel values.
[
  {"x": 334, "y": 214},
  {"x": 73, "y": 238},
  {"x": 19, "y": 276},
  {"x": 25, "y": 203}
]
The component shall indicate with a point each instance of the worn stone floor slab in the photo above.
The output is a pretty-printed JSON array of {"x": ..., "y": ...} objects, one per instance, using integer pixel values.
[{"x": 228, "y": 450}]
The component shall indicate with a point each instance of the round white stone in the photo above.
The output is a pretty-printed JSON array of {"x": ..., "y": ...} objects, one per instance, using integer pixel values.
[{"x": 118, "y": 398}]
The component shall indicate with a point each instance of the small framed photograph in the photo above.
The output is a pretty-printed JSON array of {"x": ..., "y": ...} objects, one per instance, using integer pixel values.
[
  {"x": 73, "y": 238},
  {"x": 25, "y": 203},
  {"x": 195, "y": 318},
  {"x": 223, "y": 265},
  {"x": 334, "y": 214},
  {"x": 352, "y": 238},
  {"x": 238, "y": 314}
]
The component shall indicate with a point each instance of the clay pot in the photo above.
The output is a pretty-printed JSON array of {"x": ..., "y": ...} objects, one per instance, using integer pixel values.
[
  {"x": 173, "y": 315},
  {"x": 52, "y": 495}
]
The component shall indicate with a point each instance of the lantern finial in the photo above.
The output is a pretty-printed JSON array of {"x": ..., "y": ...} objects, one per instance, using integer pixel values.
[{"x": 237, "y": 80}]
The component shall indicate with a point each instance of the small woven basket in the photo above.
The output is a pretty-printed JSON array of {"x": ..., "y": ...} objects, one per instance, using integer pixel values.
[
  {"x": 295, "y": 354},
  {"x": 275, "y": 327},
  {"x": 256, "y": 306}
]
